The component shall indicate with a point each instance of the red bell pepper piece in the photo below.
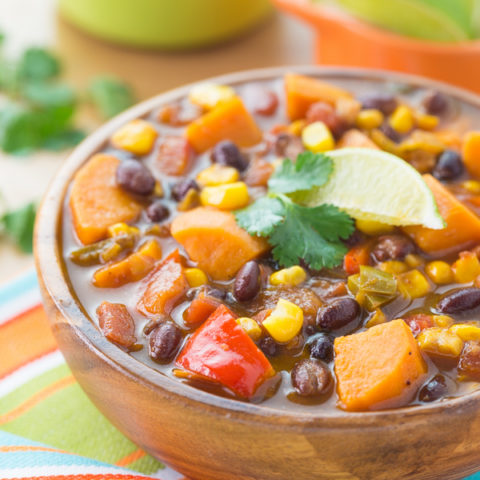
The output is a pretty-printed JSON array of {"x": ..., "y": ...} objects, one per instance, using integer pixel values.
[
  {"x": 220, "y": 350},
  {"x": 355, "y": 257}
]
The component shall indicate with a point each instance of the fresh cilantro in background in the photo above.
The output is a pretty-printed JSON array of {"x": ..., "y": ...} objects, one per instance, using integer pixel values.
[
  {"x": 18, "y": 226},
  {"x": 111, "y": 95},
  {"x": 296, "y": 232}
]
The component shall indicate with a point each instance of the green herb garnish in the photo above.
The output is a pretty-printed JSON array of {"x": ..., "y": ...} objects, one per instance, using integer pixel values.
[
  {"x": 297, "y": 232},
  {"x": 18, "y": 225},
  {"x": 111, "y": 95}
]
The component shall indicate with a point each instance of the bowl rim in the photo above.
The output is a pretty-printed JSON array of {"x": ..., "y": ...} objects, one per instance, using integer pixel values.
[{"x": 53, "y": 276}]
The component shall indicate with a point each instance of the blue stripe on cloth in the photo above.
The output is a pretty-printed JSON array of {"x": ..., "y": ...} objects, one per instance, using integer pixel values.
[{"x": 18, "y": 286}]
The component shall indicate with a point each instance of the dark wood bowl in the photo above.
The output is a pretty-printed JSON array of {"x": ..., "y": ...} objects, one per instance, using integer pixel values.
[{"x": 207, "y": 437}]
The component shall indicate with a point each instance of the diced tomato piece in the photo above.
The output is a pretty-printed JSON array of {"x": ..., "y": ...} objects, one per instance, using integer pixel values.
[
  {"x": 165, "y": 286},
  {"x": 175, "y": 156},
  {"x": 200, "y": 309},
  {"x": 116, "y": 323},
  {"x": 469, "y": 363},
  {"x": 419, "y": 322},
  {"x": 261, "y": 100},
  {"x": 221, "y": 351},
  {"x": 179, "y": 115},
  {"x": 258, "y": 173},
  {"x": 356, "y": 256}
]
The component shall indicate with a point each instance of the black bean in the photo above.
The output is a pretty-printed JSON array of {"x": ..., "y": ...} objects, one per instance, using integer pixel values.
[
  {"x": 338, "y": 313},
  {"x": 227, "y": 153},
  {"x": 322, "y": 348},
  {"x": 247, "y": 282},
  {"x": 436, "y": 388},
  {"x": 385, "y": 102},
  {"x": 355, "y": 238},
  {"x": 287, "y": 145},
  {"x": 268, "y": 346},
  {"x": 392, "y": 247},
  {"x": 134, "y": 177},
  {"x": 459, "y": 301},
  {"x": 157, "y": 211},
  {"x": 391, "y": 133},
  {"x": 449, "y": 165},
  {"x": 180, "y": 189},
  {"x": 435, "y": 103},
  {"x": 310, "y": 377},
  {"x": 164, "y": 342},
  {"x": 216, "y": 292}
]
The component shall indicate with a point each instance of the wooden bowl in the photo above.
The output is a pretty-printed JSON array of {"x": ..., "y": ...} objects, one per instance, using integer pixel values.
[{"x": 207, "y": 437}]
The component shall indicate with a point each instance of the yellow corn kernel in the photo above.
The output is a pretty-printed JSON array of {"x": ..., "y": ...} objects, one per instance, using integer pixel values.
[
  {"x": 413, "y": 260},
  {"x": 284, "y": 322},
  {"x": 467, "y": 332},
  {"x": 122, "y": 228},
  {"x": 317, "y": 137},
  {"x": 217, "y": 175},
  {"x": 195, "y": 277},
  {"x": 426, "y": 122},
  {"x": 289, "y": 276},
  {"x": 209, "y": 95},
  {"x": 251, "y": 327},
  {"x": 442, "y": 321},
  {"x": 377, "y": 318},
  {"x": 372, "y": 227},
  {"x": 393, "y": 266},
  {"x": 413, "y": 284},
  {"x": 472, "y": 186},
  {"x": 439, "y": 272},
  {"x": 158, "y": 191},
  {"x": 402, "y": 119},
  {"x": 226, "y": 197},
  {"x": 440, "y": 341},
  {"x": 189, "y": 201},
  {"x": 370, "y": 118},
  {"x": 466, "y": 268},
  {"x": 296, "y": 127},
  {"x": 137, "y": 136}
]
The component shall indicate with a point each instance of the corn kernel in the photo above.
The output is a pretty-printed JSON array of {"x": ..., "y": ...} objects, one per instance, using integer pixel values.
[
  {"x": 217, "y": 175},
  {"x": 226, "y": 197},
  {"x": 402, "y": 119},
  {"x": 296, "y": 127},
  {"x": 317, "y": 137},
  {"x": 137, "y": 136},
  {"x": 439, "y": 272},
  {"x": 158, "y": 191},
  {"x": 195, "y": 277},
  {"x": 370, "y": 118},
  {"x": 467, "y": 332},
  {"x": 284, "y": 322},
  {"x": 377, "y": 318},
  {"x": 189, "y": 201},
  {"x": 413, "y": 284},
  {"x": 209, "y": 95},
  {"x": 372, "y": 227},
  {"x": 122, "y": 228},
  {"x": 472, "y": 186},
  {"x": 442, "y": 321},
  {"x": 413, "y": 260},
  {"x": 426, "y": 122},
  {"x": 251, "y": 327},
  {"x": 466, "y": 268},
  {"x": 440, "y": 341},
  {"x": 393, "y": 266},
  {"x": 289, "y": 276}
]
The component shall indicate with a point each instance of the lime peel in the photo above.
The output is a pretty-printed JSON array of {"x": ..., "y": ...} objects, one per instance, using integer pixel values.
[{"x": 372, "y": 184}]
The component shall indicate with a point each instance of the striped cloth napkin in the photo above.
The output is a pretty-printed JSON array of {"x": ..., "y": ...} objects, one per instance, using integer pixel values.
[{"x": 49, "y": 429}]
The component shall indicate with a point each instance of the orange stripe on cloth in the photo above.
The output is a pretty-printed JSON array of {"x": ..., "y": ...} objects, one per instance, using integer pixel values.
[
  {"x": 130, "y": 458},
  {"x": 88, "y": 476},
  {"x": 23, "y": 339},
  {"x": 28, "y": 448},
  {"x": 37, "y": 398}
]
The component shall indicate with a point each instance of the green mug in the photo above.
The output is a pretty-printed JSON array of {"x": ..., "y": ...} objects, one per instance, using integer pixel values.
[{"x": 165, "y": 23}]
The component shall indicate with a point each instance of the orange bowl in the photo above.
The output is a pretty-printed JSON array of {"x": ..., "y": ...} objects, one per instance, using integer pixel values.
[{"x": 343, "y": 40}]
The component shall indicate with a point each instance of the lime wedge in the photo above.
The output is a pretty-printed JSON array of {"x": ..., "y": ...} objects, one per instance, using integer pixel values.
[{"x": 374, "y": 185}]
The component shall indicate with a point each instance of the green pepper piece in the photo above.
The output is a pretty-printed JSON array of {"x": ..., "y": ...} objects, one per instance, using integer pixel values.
[
  {"x": 377, "y": 282},
  {"x": 353, "y": 283},
  {"x": 103, "y": 251}
]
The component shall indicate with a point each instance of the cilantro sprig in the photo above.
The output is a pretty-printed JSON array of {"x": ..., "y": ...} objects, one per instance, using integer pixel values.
[
  {"x": 297, "y": 232},
  {"x": 17, "y": 224}
]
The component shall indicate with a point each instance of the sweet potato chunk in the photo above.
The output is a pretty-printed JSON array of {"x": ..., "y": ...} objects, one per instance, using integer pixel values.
[
  {"x": 96, "y": 202},
  {"x": 230, "y": 120},
  {"x": 130, "y": 269},
  {"x": 463, "y": 226},
  {"x": 379, "y": 368},
  {"x": 301, "y": 92},
  {"x": 116, "y": 323},
  {"x": 200, "y": 309},
  {"x": 471, "y": 153},
  {"x": 213, "y": 239},
  {"x": 165, "y": 286}
]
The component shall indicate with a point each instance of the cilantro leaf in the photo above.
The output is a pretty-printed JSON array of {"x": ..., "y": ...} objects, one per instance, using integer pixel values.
[
  {"x": 18, "y": 224},
  {"x": 64, "y": 139},
  {"x": 38, "y": 64},
  {"x": 111, "y": 95},
  {"x": 310, "y": 169},
  {"x": 261, "y": 217}
]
